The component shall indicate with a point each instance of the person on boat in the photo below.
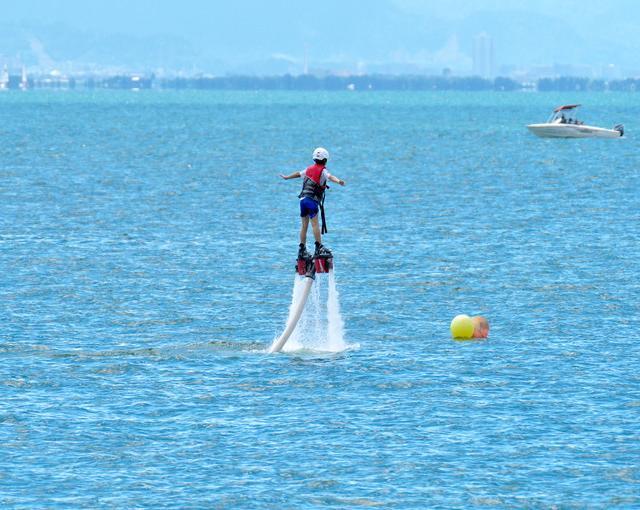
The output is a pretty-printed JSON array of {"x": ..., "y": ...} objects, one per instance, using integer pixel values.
[
  {"x": 563, "y": 119},
  {"x": 311, "y": 197},
  {"x": 480, "y": 327}
]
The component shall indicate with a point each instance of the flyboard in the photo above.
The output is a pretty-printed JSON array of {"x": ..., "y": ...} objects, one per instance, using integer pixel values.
[{"x": 308, "y": 267}]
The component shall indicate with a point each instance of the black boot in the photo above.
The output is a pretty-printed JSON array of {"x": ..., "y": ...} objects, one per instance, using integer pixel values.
[
  {"x": 302, "y": 252},
  {"x": 322, "y": 251}
]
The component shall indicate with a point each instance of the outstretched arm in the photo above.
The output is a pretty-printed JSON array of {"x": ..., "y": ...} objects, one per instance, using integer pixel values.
[
  {"x": 337, "y": 180},
  {"x": 294, "y": 175}
]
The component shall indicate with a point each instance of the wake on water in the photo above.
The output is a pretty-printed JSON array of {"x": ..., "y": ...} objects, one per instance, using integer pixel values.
[{"x": 321, "y": 327}]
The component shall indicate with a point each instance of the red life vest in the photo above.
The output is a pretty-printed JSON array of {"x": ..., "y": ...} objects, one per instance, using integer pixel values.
[
  {"x": 314, "y": 172},
  {"x": 311, "y": 186}
]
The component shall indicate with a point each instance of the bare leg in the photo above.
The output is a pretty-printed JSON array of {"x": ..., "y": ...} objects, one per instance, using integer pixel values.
[
  {"x": 316, "y": 229},
  {"x": 303, "y": 230}
]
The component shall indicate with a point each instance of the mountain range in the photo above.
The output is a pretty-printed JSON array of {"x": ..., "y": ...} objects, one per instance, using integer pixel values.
[{"x": 278, "y": 36}]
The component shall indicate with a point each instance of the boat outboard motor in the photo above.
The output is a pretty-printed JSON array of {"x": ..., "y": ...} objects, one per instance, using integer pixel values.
[{"x": 620, "y": 129}]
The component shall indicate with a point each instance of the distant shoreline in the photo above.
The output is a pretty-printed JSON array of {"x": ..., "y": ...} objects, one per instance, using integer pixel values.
[{"x": 321, "y": 83}]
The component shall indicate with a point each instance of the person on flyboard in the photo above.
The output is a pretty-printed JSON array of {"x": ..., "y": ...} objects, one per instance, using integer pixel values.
[{"x": 312, "y": 200}]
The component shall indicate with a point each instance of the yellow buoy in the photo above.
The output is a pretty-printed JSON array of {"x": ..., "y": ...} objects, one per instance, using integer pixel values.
[{"x": 462, "y": 327}]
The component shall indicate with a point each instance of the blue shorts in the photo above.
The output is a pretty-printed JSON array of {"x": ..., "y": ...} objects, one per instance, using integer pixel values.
[{"x": 308, "y": 207}]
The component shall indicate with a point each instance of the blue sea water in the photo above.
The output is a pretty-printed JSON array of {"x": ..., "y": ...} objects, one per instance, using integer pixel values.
[{"x": 146, "y": 263}]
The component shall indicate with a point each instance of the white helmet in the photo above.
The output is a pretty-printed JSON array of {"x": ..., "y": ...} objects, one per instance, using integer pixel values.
[{"x": 321, "y": 153}]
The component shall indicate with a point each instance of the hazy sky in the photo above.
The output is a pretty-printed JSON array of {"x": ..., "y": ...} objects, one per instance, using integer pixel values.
[{"x": 246, "y": 34}]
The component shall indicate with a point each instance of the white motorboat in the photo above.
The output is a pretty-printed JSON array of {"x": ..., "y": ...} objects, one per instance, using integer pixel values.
[{"x": 563, "y": 124}]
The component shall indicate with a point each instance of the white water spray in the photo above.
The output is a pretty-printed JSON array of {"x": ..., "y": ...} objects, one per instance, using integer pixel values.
[
  {"x": 321, "y": 327},
  {"x": 335, "y": 335}
]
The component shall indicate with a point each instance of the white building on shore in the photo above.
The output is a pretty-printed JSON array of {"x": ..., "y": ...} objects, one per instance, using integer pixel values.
[
  {"x": 4, "y": 78},
  {"x": 483, "y": 56}
]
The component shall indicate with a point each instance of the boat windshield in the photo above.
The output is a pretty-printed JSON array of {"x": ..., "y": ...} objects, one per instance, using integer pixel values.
[{"x": 564, "y": 115}]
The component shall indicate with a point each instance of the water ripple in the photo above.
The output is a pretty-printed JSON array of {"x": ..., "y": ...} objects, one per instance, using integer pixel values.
[{"x": 143, "y": 280}]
